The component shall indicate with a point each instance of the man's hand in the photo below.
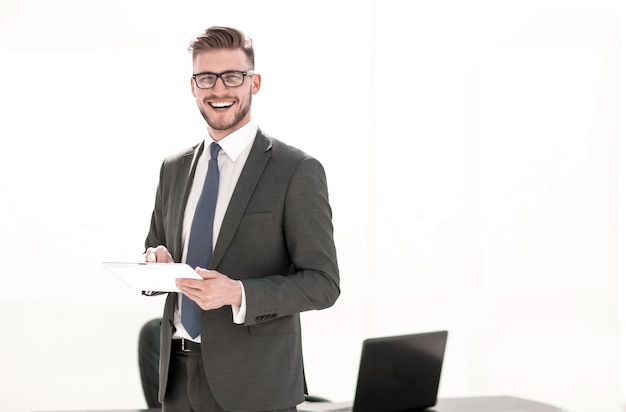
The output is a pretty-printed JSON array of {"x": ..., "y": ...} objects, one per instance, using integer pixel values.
[
  {"x": 213, "y": 291},
  {"x": 158, "y": 254}
]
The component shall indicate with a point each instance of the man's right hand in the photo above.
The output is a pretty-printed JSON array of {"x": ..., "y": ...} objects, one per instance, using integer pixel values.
[{"x": 158, "y": 254}]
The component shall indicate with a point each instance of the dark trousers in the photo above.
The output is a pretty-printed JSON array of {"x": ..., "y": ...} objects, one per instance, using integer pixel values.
[
  {"x": 187, "y": 386},
  {"x": 184, "y": 367}
]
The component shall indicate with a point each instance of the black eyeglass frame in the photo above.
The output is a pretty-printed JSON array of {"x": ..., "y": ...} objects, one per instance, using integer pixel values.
[{"x": 219, "y": 76}]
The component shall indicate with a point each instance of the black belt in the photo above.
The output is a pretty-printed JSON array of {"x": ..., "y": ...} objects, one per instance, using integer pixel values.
[{"x": 184, "y": 345}]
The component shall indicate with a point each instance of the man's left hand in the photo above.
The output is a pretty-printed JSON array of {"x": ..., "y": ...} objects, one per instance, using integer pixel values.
[{"x": 213, "y": 291}]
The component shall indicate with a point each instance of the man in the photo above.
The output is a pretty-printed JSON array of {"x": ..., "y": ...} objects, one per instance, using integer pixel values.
[{"x": 272, "y": 254}]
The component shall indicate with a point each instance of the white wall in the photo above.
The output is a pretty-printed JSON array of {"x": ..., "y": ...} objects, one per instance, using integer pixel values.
[{"x": 472, "y": 157}]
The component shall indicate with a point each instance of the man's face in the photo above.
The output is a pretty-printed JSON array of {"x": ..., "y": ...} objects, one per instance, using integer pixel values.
[{"x": 225, "y": 109}]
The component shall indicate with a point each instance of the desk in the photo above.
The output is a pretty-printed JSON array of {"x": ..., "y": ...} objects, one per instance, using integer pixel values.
[
  {"x": 492, "y": 404},
  {"x": 470, "y": 404}
]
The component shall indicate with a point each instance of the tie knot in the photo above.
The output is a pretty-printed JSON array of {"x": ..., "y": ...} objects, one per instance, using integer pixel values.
[{"x": 214, "y": 148}]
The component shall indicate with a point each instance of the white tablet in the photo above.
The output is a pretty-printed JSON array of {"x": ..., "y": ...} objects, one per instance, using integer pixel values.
[{"x": 155, "y": 277}]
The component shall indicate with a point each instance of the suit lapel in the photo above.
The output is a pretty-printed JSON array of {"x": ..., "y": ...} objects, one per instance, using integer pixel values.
[
  {"x": 260, "y": 154},
  {"x": 182, "y": 195}
]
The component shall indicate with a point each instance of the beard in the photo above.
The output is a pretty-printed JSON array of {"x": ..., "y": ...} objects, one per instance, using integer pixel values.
[{"x": 223, "y": 123}]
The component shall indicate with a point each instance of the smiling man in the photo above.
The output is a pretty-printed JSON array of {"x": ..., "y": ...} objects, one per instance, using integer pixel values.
[{"x": 251, "y": 215}]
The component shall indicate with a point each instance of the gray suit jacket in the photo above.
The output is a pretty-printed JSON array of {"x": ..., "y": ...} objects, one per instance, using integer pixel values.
[{"x": 277, "y": 238}]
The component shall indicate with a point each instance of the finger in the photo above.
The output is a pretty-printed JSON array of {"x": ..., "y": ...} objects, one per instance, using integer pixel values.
[
  {"x": 208, "y": 274},
  {"x": 162, "y": 255},
  {"x": 190, "y": 293},
  {"x": 150, "y": 257},
  {"x": 189, "y": 284}
]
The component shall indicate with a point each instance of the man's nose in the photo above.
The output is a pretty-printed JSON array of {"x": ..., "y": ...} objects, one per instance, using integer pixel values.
[{"x": 219, "y": 83}]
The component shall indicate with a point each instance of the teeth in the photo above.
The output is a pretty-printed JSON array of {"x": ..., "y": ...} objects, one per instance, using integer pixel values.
[{"x": 221, "y": 104}]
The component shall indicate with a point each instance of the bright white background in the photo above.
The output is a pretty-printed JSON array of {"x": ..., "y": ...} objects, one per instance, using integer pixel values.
[{"x": 472, "y": 153}]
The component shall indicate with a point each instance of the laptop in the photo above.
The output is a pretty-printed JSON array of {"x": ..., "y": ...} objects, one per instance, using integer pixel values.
[{"x": 396, "y": 373}]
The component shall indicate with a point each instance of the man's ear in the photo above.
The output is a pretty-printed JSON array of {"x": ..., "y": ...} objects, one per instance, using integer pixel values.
[
  {"x": 256, "y": 83},
  {"x": 193, "y": 87}
]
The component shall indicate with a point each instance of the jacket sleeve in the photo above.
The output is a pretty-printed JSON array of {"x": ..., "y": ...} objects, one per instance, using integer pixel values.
[{"x": 312, "y": 282}]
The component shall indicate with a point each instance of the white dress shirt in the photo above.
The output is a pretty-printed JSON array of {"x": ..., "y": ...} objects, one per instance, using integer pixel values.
[{"x": 234, "y": 152}]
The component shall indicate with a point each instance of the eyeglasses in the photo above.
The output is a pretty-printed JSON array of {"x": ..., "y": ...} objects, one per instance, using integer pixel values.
[{"x": 231, "y": 78}]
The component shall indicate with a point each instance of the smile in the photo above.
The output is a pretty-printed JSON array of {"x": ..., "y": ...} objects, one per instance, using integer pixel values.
[{"x": 221, "y": 105}]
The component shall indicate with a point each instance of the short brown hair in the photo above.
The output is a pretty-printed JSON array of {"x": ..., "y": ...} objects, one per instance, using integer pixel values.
[{"x": 220, "y": 37}]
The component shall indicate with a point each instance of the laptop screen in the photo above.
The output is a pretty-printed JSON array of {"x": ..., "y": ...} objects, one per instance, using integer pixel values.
[{"x": 400, "y": 373}]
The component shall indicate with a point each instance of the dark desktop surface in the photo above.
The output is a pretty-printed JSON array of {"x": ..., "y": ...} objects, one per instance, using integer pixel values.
[
  {"x": 464, "y": 404},
  {"x": 491, "y": 404}
]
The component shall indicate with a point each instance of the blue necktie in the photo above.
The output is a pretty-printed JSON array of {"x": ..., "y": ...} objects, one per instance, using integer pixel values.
[{"x": 200, "y": 246}]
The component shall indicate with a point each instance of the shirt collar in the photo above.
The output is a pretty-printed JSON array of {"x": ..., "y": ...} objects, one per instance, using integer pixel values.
[{"x": 235, "y": 143}]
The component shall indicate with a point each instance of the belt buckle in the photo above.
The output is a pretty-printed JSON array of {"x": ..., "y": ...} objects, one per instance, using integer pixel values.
[{"x": 183, "y": 347}]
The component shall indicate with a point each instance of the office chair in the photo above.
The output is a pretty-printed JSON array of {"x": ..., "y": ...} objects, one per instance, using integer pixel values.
[
  {"x": 148, "y": 356},
  {"x": 148, "y": 350}
]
